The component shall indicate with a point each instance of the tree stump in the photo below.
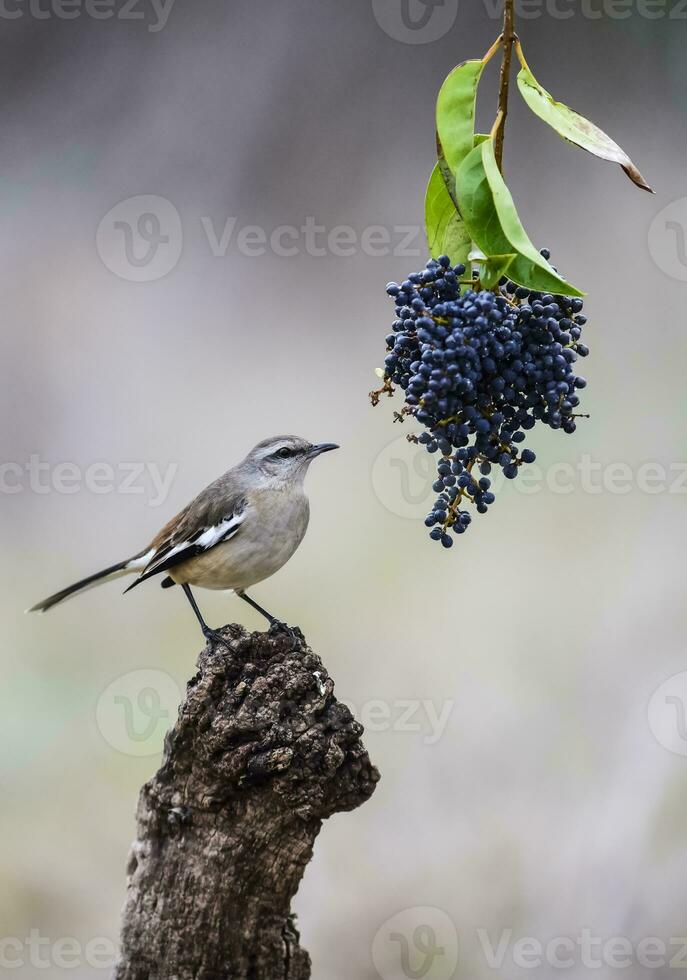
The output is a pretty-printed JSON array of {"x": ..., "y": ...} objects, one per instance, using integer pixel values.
[{"x": 261, "y": 754}]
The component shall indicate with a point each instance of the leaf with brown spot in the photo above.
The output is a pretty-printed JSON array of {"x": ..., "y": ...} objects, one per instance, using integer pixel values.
[{"x": 575, "y": 128}]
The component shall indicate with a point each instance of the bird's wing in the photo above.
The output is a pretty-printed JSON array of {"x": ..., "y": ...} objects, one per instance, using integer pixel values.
[{"x": 210, "y": 519}]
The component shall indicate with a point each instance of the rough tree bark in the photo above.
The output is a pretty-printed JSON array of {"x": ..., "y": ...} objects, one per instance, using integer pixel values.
[{"x": 261, "y": 754}]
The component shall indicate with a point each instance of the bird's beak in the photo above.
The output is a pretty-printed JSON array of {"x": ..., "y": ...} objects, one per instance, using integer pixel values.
[{"x": 322, "y": 447}]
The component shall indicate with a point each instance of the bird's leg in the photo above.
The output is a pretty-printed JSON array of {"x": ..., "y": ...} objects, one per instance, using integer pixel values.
[
  {"x": 276, "y": 625},
  {"x": 208, "y": 633},
  {"x": 263, "y": 612}
]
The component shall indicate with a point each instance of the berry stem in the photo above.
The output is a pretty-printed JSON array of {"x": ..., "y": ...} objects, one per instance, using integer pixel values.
[
  {"x": 520, "y": 54},
  {"x": 492, "y": 50},
  {"x": 507, "y": 39},
  {"x": 386, "y": 389}
]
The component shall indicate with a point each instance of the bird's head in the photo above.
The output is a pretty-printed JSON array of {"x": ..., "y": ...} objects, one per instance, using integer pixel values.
[{"x": 283, "y": 459}]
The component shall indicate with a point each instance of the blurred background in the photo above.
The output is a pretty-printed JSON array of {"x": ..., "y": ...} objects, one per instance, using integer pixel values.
[{"x": 202, "y": 204}]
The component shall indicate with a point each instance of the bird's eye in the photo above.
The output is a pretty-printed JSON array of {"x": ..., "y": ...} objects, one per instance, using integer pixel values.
[{"x": 284, "y": 452}]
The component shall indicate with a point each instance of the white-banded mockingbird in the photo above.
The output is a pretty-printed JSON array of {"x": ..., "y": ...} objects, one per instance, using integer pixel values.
[{"x": 240, "y": 530}]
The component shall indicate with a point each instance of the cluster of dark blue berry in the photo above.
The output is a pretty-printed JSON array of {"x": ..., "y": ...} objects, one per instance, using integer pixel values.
[{"x": 479, "y": 369}]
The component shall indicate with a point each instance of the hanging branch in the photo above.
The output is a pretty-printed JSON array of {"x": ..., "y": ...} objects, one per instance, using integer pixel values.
[
  {"x": 507, "y": 39},
  {"x": 469, "y": 212},
  {"x": 477, "y": 414}
]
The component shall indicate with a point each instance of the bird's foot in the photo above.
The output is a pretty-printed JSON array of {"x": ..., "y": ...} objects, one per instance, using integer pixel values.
[
  {"x": 277, "y": 627},
  {"x": 214, "y": 636}
]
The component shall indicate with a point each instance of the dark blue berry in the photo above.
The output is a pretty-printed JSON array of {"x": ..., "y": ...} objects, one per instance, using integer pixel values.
[{"x": 479, "y": 369}]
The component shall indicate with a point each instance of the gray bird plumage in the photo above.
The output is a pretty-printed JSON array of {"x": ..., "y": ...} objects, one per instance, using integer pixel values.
[{"x": 238, "y": 531}]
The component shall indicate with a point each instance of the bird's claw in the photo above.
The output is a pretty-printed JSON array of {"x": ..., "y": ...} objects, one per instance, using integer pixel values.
[
  {"x": 277, "y": 627},
  {"x": 214, "y": 636}
]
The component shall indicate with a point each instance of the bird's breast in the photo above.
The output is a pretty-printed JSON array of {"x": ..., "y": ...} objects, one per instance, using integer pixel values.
[{"x": 274, "y": 526}]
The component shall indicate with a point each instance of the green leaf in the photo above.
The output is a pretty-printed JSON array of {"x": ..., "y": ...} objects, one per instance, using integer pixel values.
[
  {"x": 492, "y": 269},
  {"x": 455, "y": 114},
  {"x": 444, "y": 226},
  {"x": 489, "y": 213},
  {"x": 447, "y": 173},
  {"x": 510, "y": 222},
  {"x": 448, "y": 178},
  {"x": 446, "y": 231},
  {"x": 574, "y": 127}
]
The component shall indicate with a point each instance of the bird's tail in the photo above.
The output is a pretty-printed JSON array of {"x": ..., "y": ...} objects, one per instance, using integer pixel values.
[{"x": 126, "y": 567}]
